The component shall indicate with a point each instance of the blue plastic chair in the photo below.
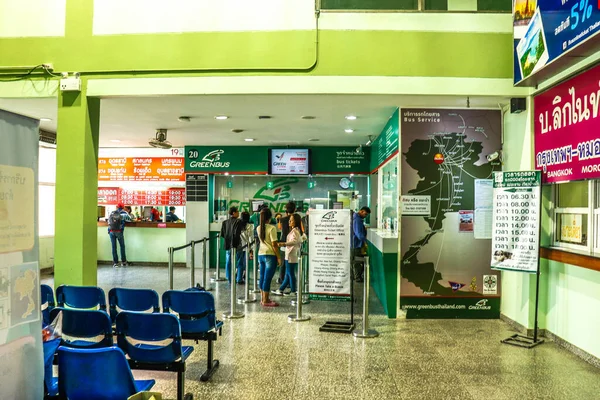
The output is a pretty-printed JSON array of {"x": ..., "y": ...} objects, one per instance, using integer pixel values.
[
  {"x": 121, "y": 299},
  {"x": 197, "y": 317},
  {"x": 85, "y": 297},
  {"x": 47, "y": 303},
  {"x": 83, "y": 326},
  {"x": 152, "y": 355},
  {"x": 96, "y": 374}
]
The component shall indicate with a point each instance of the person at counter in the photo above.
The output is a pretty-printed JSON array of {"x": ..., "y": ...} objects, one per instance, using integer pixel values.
[
  {"x": 231, "y": 231},
  {"x": 171, "y": 216},
  {"x": 359, "y": 241},
  {"x": 116, "y": 231},
  {"x": 155, "y": 215}
]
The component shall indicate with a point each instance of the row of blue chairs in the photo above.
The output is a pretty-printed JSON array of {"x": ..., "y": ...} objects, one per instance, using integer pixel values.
[{"x": 136, "y": 315}]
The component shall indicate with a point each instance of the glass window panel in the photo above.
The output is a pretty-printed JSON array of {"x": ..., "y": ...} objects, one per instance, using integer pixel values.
[
  {"x": 572, "y": 194},
  {"x": 47, "y": 165},
  {"x": 572, "y": 228},
  {"x": 46, "y": 210}
]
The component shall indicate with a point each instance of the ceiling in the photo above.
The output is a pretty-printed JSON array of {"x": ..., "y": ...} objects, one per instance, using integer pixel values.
[{"x": 132, "y": 121}]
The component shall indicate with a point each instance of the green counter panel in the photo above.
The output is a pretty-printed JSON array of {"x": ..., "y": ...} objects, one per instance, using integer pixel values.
[{"x": 384, "y": 278}]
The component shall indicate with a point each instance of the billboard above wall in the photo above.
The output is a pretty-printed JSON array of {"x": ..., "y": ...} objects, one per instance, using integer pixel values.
[
  {"x": 566, "y": 129},
  {"x": 546, "y": 30}
]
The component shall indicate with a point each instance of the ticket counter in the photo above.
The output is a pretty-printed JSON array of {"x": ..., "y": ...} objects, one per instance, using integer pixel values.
[{"x": 146, "y": 243}]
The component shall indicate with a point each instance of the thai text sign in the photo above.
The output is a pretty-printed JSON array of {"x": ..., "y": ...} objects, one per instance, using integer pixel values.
[
  {"x": 329, "y": 254},
  {"x": 567, "y": 146},
  {"x": 137, "y": 169},
  {"x": 516, "y": 216}
]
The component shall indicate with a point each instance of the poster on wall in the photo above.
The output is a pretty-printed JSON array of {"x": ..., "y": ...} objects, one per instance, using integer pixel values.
[
  {"x": 20, "y": 326},
  {"x": 484, "y": 190},
  {"x": 545, "y": 30},
  {"x": 515, "y": 236},
  {"x": 329, "y": 252},
  {"x": 442, "y": 267},
  {"x": 567, "y": 123}
]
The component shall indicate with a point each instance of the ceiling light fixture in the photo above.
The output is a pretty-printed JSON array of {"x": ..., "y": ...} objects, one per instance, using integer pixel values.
[
  {"x": 249, "y": 140},
  {"x": 313, "y": 140},
  {"x": 115, "y": 140},
  {"x": 45, "y": 119},
  {"x": 348, "y": 130},
  {"x": 309, "y": 117},
  {"x": 221, "y": 117},
  {"x": 350, "y": 117}
]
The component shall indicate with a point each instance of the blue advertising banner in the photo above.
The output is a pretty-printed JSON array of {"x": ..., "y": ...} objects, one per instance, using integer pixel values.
[{"x": 545, "y": 30}]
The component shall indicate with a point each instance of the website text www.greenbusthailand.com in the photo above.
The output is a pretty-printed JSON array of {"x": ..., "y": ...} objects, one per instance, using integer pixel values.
[{"x": 435, "y": 307}]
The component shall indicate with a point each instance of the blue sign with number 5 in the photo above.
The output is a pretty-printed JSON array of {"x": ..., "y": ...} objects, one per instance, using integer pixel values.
[{"x": 544, "y": 30}]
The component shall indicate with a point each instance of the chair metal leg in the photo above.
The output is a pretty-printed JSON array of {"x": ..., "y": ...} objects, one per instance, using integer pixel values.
[
  {"x": 180, "y": 385},
  {"x": 210, "y": 364}
]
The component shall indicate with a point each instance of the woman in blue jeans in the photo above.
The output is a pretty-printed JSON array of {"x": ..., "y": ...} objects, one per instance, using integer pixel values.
[
  {"x": 292, "y": 245},
  {"x": 268, "y": 255}
]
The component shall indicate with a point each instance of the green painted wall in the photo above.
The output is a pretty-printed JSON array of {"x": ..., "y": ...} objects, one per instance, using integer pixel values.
[
  {"x": 384, "y": 278},
  {"x": 145, "y": 244},
  {"x": 330, "y": 52}
]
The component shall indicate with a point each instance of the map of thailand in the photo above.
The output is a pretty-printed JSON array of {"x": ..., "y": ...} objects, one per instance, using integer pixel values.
[
  {"x": 24, "y": 293},
  {"x": 24, "y": 287},
  {"x": 442, "y": 158}
]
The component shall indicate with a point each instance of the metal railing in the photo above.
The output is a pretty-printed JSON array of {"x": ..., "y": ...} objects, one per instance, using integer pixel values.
[{"x": 192, "y": 246}]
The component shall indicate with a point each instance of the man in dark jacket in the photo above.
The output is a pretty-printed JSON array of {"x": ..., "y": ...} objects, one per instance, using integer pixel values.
[
  {"x": 231, "y": 233},
  {"x": 359, "y": 240}
]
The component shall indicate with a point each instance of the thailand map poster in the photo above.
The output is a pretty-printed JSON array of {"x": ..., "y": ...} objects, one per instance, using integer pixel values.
[{"x": 444, "y": 268}]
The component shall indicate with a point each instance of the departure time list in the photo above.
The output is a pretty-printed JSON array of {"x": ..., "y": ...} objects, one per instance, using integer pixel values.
[{"x": 515, "y": 235}]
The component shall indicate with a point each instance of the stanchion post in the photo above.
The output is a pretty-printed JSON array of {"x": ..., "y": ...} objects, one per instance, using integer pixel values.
[
  {"x": 232, "y": 314},
  {"x": 205, "y": 281},
  {"x": 246, "y": 297},
  {"x": 171, "y": 268},
  {"x": 193, "y": 267},
  {"x": 366, "y": 332},
  {"x": 304, "y": 297},
  {"x": 254, "y": 268},
  {"x": 299, "y": 317},
  {"x": 217, "y": 277}
]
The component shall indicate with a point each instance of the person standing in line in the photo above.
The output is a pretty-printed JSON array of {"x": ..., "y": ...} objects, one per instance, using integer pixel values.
[
  {"x": 359, "y": 241},
  {"x": 247, "y": 238},
  {"x": 268, "y": 256},
  {"x": 284, "y": 226},
  {"x": 292, "y": 244},
  {"x": 116, "y": 232},
  {"x": 230, "y": 232}
]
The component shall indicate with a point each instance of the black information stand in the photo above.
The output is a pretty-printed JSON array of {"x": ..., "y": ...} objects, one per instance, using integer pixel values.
[
  {"x": 340, "y": 326},
  {"x": 529, "y": 342}
]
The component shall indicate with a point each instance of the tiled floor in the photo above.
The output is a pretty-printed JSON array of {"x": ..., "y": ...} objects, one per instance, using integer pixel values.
[{"x": 263, "y": 356}]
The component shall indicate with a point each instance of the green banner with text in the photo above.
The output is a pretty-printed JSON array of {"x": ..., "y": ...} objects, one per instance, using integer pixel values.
[
  {"x": 255, "y": 160},
  {"x": 387, "y": 143}
]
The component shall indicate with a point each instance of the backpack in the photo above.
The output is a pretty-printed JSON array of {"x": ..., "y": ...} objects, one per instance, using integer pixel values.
[{"x": 115, "y": 221}]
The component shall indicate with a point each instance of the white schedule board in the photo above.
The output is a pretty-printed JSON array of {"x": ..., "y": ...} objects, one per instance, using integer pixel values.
[
  {"x": 516, "y": 219},
  {"x": 329, "y": 254}
]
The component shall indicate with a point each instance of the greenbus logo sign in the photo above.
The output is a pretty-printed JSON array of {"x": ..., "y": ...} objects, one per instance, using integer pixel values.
[
  {"x": 275, "y": 193},
  {"x": 211, "y": 159}
]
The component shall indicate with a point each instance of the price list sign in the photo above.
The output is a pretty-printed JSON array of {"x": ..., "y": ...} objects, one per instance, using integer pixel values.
[
  {"x": 169, "y": 197},
  {"x": 516, "y": 219}
]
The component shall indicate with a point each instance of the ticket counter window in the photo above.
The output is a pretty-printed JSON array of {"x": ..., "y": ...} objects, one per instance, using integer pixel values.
[{"x": 572, "y": 215}]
